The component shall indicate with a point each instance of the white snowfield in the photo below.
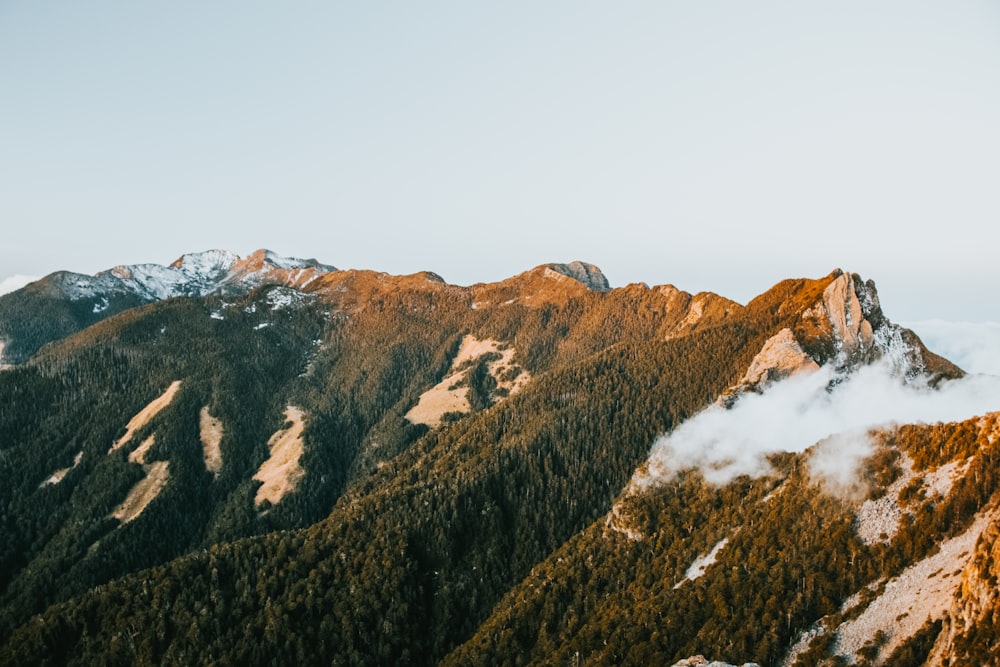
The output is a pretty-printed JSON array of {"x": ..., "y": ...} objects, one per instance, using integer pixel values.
[{"x": 194, "y": 274}]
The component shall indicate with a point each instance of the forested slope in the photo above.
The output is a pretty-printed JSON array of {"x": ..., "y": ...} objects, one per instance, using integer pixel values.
[{"x": 481, "y": 537}]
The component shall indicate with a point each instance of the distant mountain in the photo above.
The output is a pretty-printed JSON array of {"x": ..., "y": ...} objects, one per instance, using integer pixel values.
[
  {"x": 63, "y": 303},
  {"x": 260, "y": 460}
]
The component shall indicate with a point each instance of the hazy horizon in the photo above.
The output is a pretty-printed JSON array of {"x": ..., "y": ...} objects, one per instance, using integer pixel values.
[{"x": 715, "y": 146}]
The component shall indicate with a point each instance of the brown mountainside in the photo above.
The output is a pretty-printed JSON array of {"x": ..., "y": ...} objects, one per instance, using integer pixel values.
[{"x": 352, "y": 467}]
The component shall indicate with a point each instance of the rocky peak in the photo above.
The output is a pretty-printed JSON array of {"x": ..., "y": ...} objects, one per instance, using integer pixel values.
[
  {"x": 844, "y": 310},
  {"x": 846, "y": 325},
  {"x": 702, "y": 661},
  {"x": 587, "y": 274},
  {"x": 840, "y": 321}
]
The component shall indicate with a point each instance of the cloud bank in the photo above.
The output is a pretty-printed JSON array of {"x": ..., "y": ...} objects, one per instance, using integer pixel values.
[
  {"x": 974, "y": 346},
  {"x": 15, "y": 282},
  {"x": 796, "y": 413}
]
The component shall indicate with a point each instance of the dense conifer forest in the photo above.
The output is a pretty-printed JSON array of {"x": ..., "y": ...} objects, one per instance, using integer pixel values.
[{"x": 483, "y": 540}]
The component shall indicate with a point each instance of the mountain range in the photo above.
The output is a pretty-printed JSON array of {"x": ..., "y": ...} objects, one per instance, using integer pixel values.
[{"x": 267, "y": 460}]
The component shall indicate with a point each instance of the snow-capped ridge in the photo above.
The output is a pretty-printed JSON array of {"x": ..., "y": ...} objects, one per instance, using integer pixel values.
[
  {"x": 206, "y": 263},
  {"x": 196, "y": 274}
]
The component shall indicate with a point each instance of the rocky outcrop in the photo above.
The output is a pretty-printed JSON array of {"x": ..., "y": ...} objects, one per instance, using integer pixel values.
[
  {"x": 845, "y": 320},
  {"x": 586, "y": 274},
  {"x": 781, "y": 357},
  {"x": 702, "y": 661},
  {"x": 846, "y": 326},
  {"x": 970, "y": 633}
]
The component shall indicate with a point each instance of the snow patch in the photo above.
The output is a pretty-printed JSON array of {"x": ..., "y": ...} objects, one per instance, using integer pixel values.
[
  {"x": 217, "y": 315},
  {"x": 206, "y": 264},
  {"x": 294, "y": 262},
  {"x": 283, "y": 298},
  {"x": 702, "y": 563}
]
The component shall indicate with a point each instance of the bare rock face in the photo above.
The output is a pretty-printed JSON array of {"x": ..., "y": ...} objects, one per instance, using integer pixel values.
[
  {"x": 846, "y": 326},
  {"x": 702, "y": 661},
  {"x": 843, "y": 308},
  {"x": 971, "y": 624},
  {"x": 781, "y": 357},
  {"x": 587, "y": 274},
  {"x": 847, "y": 314}
]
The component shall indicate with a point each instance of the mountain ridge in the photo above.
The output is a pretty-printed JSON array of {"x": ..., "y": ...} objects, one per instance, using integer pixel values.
[
  {"x": 246, "y": 474},
  {"x": 92, "y": 298}
]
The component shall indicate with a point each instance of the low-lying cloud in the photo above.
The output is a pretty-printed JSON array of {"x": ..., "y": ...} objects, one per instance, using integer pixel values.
[
  {"x": 16, "y": 282},
  {"x": 974, "y": 346},
  {"x": 793, "y": 415}
]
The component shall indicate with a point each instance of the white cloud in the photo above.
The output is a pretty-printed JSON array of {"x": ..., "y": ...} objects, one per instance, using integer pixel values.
[
  {"x": 15, "y": 282},
  {"x": 974, "y": 346},
  {"x": 795, "y": 414}
]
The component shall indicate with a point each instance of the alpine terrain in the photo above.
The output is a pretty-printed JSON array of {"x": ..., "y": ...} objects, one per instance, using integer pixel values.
[{"x": 269, "y": 461}]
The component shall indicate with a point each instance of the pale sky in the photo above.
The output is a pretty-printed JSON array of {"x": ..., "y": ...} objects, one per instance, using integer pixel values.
[{"x": 716, "y": 146}]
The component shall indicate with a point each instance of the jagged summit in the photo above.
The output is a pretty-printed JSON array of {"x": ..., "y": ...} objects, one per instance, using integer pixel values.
[
  {"x": 843, "y": 325},
  {"x": 837, "y": 318},
  {"x": 375, "y": 469},
  {"x": 586, "y": 274}
]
